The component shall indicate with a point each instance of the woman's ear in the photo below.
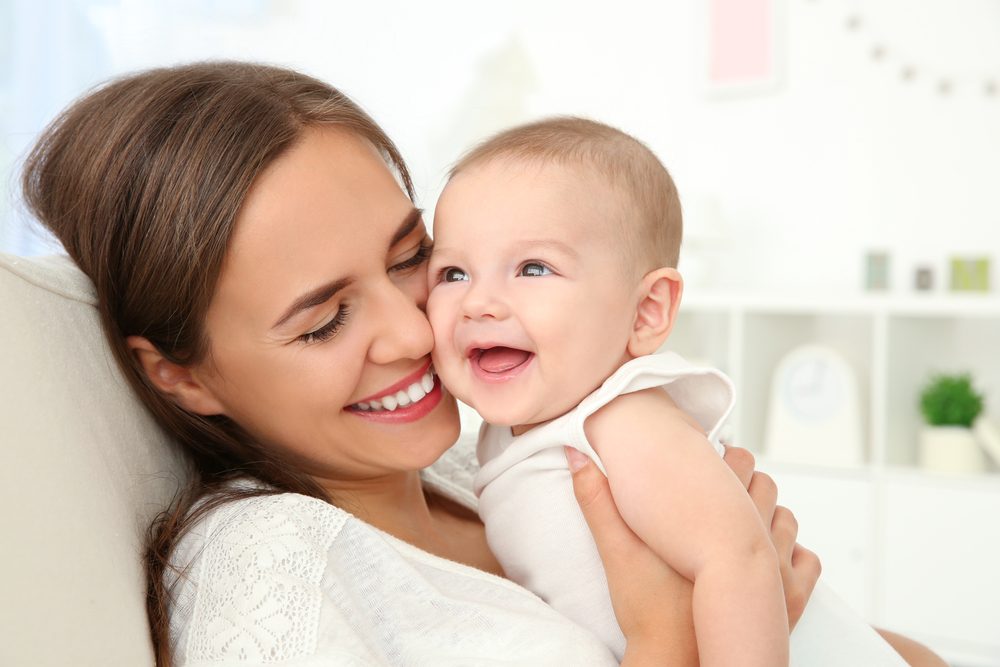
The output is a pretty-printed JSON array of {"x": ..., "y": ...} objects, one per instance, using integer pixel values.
[
  {"x": 174, "y": 380},
  {"x": 659, "y": 296}
]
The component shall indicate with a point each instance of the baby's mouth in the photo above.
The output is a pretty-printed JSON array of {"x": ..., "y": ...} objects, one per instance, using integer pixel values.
[{"x": 499, "y": 359}]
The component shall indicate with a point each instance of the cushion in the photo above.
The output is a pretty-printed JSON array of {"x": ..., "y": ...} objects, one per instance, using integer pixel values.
[{"x": 83, "y": 470}]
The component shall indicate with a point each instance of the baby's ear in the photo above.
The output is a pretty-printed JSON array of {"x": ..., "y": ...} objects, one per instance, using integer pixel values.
[{"x": 659, "y": 296}]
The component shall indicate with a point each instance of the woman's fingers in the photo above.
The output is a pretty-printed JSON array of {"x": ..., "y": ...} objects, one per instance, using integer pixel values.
[
  {"x": 799, "y": 575},
  {"x": 808, "y": 562},
  {"x": 651, "y": 601},
  {"x": 741, "y": 462},
  {"x": 800, "y": 568},
  {"x": 764, "y": 494},
  {"x": 762, "y": 489},
  {"x": 612, "y": 534},
  {"x": 784, "y": 530}
]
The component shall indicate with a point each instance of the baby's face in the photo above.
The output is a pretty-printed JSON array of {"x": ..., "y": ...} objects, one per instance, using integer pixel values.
[{"x": 529, "y": 302}]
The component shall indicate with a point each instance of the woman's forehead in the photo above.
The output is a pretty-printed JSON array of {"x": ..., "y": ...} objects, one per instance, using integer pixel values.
[{"x": 330, "y": 205}]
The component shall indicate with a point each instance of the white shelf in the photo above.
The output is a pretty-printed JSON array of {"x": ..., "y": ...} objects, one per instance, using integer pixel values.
[
  {"x": 930, "y": 305},
  {"x": 912, "y": 550}
]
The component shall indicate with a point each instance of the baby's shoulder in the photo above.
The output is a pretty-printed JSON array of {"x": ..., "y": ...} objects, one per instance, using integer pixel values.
[
  {"x": 644, "y": 407},
  {"x": 657, "y": 392}
]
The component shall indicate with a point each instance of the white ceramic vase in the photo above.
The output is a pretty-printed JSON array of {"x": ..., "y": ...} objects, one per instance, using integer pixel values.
[{"x": 951, "y": 449}]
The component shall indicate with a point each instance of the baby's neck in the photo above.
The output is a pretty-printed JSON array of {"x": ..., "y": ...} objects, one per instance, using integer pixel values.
[{"x": 521, "y": 429}]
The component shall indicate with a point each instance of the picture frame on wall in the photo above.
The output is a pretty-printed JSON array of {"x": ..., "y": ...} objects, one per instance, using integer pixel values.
[{"x": 742, "y": 47}]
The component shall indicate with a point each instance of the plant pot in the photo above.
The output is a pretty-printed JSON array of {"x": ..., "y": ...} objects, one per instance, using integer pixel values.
[{"x": 950, "y": 449}]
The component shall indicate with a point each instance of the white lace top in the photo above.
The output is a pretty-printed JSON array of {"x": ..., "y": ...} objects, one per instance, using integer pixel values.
[{"x": 291, "y": 580}]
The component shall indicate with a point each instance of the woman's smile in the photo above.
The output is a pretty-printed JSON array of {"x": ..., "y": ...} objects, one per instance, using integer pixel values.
[{"x": 410, "y": 399}]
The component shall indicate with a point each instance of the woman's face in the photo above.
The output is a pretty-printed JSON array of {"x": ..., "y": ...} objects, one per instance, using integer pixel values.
[{"x": 319, "y": 307}]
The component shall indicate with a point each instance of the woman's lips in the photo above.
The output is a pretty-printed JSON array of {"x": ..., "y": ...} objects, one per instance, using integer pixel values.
[
  {"x": 407, "y": 400},
  {"x": 415, "y": 378}
]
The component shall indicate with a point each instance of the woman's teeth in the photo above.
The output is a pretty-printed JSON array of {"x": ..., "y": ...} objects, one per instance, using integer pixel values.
[{"x": 402, "y": 398}]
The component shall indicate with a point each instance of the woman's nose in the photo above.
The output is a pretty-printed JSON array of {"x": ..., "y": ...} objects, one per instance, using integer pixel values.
[{"x": 402, "y": 330}]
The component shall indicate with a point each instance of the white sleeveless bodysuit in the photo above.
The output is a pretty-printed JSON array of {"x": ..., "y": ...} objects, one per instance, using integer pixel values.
[{"x": 537, "y": 532}]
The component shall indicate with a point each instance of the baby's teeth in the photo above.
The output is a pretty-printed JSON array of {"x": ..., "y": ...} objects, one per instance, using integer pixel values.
[
  {"x": 415, "y": 392},
  {"x": 376, "y": 405},
  {"x": 402, "y": 398},
  {"x": 427, "y": 383},
  {"x": 389, "y": 403}
]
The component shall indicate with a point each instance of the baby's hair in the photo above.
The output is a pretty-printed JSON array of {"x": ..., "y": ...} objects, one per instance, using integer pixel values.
[{"x": 652, "y": 227}]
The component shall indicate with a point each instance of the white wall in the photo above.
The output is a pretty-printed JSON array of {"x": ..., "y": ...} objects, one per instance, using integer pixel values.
[{"x": 783, "y": 190}]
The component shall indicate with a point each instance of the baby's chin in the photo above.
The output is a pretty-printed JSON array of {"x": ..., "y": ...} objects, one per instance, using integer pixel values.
[{"x": 519, "y": 421}]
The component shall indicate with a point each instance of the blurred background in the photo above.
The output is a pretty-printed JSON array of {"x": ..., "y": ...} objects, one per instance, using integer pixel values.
[{"x": 838, "y": 163}]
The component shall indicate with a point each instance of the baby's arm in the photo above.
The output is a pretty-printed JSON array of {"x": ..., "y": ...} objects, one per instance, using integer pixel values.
[{"x": 677, "y": 494}]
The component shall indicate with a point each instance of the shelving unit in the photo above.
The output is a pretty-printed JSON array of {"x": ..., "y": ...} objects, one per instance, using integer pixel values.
[{"x": 914, "y": 551}]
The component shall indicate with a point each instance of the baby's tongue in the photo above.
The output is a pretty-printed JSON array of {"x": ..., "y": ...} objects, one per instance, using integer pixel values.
[{"x": 500, "y": 359}]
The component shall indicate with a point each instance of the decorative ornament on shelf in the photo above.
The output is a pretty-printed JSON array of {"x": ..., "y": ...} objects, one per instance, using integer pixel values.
[
  {"x": 950, "y": 406},
  {"x": 814, "y": 415},
  {"x": 877, "y": 271},
  {"x": 970, "y": 274},
  {"x": 923, "y": 279}
]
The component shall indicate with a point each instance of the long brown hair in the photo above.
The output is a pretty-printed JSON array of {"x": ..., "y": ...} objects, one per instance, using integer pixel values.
[{"x": 142, "y": 181}]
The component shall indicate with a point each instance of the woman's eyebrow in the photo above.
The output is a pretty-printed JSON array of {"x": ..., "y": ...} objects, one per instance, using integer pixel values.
[
  {"x": 409, "y": 223},
  {"x": 323, "y": 293},
  {"x": 314, "y": 297}
]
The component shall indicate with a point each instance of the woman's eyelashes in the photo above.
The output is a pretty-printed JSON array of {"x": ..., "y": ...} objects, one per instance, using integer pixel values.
[
  {"x": 328, "y": 330},
  {"x": 422, "y": 254},
  {"x": 332, "y": 328}
]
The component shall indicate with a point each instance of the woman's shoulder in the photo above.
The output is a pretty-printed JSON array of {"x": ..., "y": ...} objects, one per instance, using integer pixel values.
[
  {"x": 264, "y": 517},
  {"x": 251, "y": 568}
]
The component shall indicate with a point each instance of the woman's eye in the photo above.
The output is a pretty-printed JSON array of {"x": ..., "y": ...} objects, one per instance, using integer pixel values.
[
  {"x": 422, "y": 254},
  {"x": 328, "y": 330},
  {"x": 453, "y": 275},
  {"x": 534, "y": 269}
]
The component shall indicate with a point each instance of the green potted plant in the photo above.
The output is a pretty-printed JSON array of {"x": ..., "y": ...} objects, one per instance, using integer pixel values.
[{"x": 950, "y": 405}]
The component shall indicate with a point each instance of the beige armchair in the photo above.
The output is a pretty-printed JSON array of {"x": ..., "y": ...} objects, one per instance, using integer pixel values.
[{"x": 83, "y": 469}]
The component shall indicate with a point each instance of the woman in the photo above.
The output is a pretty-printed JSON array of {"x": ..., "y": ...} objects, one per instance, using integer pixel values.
[{"x": 258, "y": 262}]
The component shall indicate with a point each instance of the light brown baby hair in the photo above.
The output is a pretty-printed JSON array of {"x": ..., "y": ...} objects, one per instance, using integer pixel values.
[{"x": 651, "y": 228}]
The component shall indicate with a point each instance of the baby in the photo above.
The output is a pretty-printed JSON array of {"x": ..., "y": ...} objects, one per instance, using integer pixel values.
[{"x": 553, "y": 285}]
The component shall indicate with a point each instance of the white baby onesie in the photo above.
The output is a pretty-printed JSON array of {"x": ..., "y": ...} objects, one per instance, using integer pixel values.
[{"x": 537, "y": 532}]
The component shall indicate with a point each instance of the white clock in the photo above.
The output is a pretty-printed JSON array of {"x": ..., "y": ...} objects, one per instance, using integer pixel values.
[{"x": 814, "y": 413}]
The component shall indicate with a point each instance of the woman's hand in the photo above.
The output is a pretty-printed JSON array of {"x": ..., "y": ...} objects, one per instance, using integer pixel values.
[
  {"x": 800, "y": 567},
  {"x": 651, "y": 601}
]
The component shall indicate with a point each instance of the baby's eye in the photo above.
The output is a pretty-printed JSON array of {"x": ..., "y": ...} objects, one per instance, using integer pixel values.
[
  {"x": 534, "y": 270},
  {"x": 454, "y": 275}
]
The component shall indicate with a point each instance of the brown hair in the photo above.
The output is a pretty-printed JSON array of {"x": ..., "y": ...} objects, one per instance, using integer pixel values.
[
  {"x": 142, "y": 181},
  {"x": 652, "y": 230}
]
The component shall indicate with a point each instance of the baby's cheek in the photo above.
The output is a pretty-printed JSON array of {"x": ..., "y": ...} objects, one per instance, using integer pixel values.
[
  {"x": 443, "y": 355},
  {"x": 436, "y": 314}
]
